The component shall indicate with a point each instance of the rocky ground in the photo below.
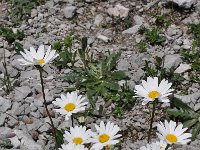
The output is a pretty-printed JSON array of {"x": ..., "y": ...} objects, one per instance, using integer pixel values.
[{"x": 23, "y": 107}]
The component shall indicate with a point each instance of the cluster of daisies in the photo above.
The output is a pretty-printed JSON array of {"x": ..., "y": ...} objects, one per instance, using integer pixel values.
[
  {"x": 169, "y": 132},
  {"x": 106, "y": 134},
  {"x": 72, "y": 103}
]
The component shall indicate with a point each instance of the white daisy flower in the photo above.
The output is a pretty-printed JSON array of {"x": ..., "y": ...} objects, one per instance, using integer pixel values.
[
  {"x": 155, "y": 146},
  {"x": 72, "y": 146},
  {"x": 172, "y": 134},
  {"x": 150, "y": 90},
  {"x": 106, "y": 135},
  {"x": 70, "y": 104},
  {"x": 78, "y": 135},
  {"x": 39, "y": 57}
]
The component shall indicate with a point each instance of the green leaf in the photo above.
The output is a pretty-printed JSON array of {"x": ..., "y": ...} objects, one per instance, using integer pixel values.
[
  {"x": 100, "y": 109},
  {"x": 102, "y": 90},
  {"x": 175, "y": 102},
  {"x": 119, "y": 75},
  {"x": 111, "y": 61},
  {"x": 71, "y": 77},
  {"x": 190, "y": 123},
  {"x": 92, "y": 83},
  {"x": 84, "y": 43},
  {"x": 59, "y": 137},
  {"x": 93, "y": 71},
  {"x": 18, "y": 47},
  {"x": 112, "y": 85},
  {"x": 179, "y": 113},
  {"x": 195, "y": 131},
  {"x": 70, "y": 89},
  {"x": 57, "y": 46}
]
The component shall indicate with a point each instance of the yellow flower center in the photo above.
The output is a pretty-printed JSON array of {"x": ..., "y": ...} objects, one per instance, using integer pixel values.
[
  {"x": 104, "y": 138},
  {"x": 78, "y": 140},
  {"x": 41, "y": 61},
  {"x": 154, "y": 94},
  {"x": 69, "y": 107},
  {"x": 172, "y": 138}
]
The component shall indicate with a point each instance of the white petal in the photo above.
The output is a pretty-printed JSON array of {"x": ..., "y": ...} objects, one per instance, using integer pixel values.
[{"x": 40, "y": 52}]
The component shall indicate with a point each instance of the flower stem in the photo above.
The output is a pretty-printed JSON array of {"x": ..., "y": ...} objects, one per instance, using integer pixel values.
[
  {"x": 72, "y": 119},
  {"x": 45, "y": 104},
  {"x": 167, "y": 147},
  {"x": 152, "y": 117}
]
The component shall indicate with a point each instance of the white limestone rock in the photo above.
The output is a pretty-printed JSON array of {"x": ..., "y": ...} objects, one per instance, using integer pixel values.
[
  {"x": 183, "y": 68},
  {"x": 184, "y": 3},
  {"x": 69, "y": 11},
  {"x": 118, "y": 10}
]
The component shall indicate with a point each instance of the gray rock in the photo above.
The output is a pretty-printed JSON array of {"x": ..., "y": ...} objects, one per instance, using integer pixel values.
[
  {"x": 35, "y": 125},
  {"x": 123, "y": 64},
  {"x": 172, "y": 61},
  {"x": 186, "y": 47},
  {"x": 34, "y": 74},
  {"x": 69, "y": 11},
  {"x": 187, "y": 44},
  {"x": 22, "y": 92},
  {"x": 89, "y": 1},
  {"x": 171, "y": 31},
  {"x": 66, "y": 1},
  {"x": 80, "y": 10},
  {"x": 15, "y": 107},
  {"x": 11, "y": 71},
  {"x": 5, "y": 104},
  {"x": 138, "y": 20},
  {"x": 5, "y": 130},
  {"x": 49, "y": 98},
  {"x": 197, "y": 107},
  {"x": 45, "y": 127},
  {"x": 138, "y": 74},
  {"x": 2, "y": 119},
  {"x": 35, "y": 114},
  {"x": 65, "y": 124},
  {"x": 1, "y": 43},
  {"x": 56, "y": 1},
  {"x": 12, "y": 122},
  {"x": 132, "y": 30},
  {"x": 30, "y": 41},
  {"x": 7, "y": 53},
  {"x": 121, "y": 82},
  {"x": 184, "y": 3},
  {"x": 49, "y": 4},
  {"x": 132, "y": 84},
  {"x": 103, "y": 38},
  {"x": 176, "y": 47},
  {"x": 39, "y": 102},
  {"x": 27, "y": 141},
  {"x": 34, "y": 13},
  {"x": 118, "y": 10},
  {"x": 98, "y": 20},
  {"x": 194, "y": 97},
  {"x": 15, "y": 142},
  {"x": 183, "y": 68},
  {"x": 33, "y": 107},
  {"x": 174, "y": 31},
  {"x": 24, "y": 109}
]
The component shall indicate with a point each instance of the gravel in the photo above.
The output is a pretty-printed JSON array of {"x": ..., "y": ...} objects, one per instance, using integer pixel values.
[
  {"x": 110, "y": 26},
  {"x": 69, "y": 11}
]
